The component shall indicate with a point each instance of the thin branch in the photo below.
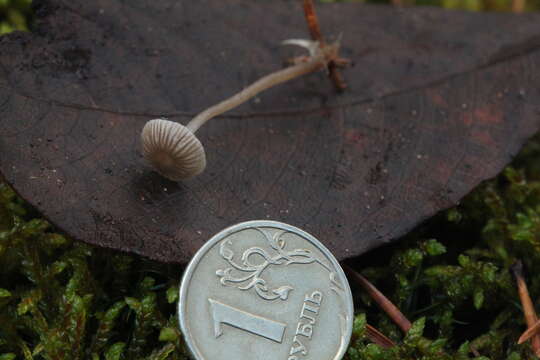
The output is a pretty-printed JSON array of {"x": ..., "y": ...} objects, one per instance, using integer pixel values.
[
  {"x": 315, "y": 32},
  {"x": 378, "y": 338},
  {"x": 526, "y": 303},
  {"x": 475, "y": 351},
  {"x": 529, "y": 333},
  {"x": 391, "y": 310},
  {"x": 518, "y": 6},
  {"x": 313, "y": 22}
]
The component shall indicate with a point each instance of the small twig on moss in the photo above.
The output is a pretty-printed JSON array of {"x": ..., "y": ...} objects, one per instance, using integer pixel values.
[
  {"x": 316, "y": 35},
  {"x": 529, "y": 333},
  {"x": 397, "y": 2},
  {"x": 378, "y": 338},
  {"x": 475, "y": 351},
  {"x": 526, "y": 303},
  {"x": 393, "y": 312}
]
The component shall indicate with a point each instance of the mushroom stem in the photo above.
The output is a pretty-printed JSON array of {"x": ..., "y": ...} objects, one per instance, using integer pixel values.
[
  {"x": 174, "y": 150},
  {"x": 316, "y": 62}
]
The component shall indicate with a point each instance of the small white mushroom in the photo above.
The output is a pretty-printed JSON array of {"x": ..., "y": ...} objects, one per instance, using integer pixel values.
[{"x": 174, "y": 150}]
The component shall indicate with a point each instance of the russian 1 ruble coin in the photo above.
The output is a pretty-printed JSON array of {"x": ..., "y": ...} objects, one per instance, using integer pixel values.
[{"x": 265, "y": 290}]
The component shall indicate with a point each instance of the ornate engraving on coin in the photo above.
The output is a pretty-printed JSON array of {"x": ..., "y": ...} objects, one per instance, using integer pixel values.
[
  {"x": 278, "y": 294},
  {"x": 254, "y": 271}
]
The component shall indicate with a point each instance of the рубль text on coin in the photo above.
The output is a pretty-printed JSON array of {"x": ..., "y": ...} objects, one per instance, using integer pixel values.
[{"x": 308, "y": 316}]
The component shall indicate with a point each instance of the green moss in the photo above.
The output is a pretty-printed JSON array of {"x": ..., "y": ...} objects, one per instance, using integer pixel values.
[
  {"x": 65, "y": 300},
  {"x": 460, "y": 284},
  {"x": 14, "y": 15},
  {"x": 62, "y": 299}
]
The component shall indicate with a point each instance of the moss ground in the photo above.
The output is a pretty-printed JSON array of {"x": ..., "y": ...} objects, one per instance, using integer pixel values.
[{"x": 61, "y": 299}]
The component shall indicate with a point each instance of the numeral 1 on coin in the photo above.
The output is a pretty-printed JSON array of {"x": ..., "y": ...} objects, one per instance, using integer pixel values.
[{"x": 243, "y": 320}]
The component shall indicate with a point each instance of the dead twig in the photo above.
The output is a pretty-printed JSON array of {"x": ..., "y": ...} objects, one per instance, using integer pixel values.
[
  {"x": 475, "y": 352},
  {"x": 313, "y": 22},
  {"x": 529, "y": 333},
  {"x": 378, "y": 338},
  {"x": 526, "y": 303},
  {"x": 315, "y": 32},
  {"x": 386, "y": 305},
  {"x": 518, "y": 6}
]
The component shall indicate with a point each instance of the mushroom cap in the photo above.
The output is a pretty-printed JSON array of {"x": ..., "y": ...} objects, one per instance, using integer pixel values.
[{"x": 172, "y": 149}]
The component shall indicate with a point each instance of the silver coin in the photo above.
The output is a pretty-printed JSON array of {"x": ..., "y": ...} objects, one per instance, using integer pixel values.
[{"x": 265, "y": 290}]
